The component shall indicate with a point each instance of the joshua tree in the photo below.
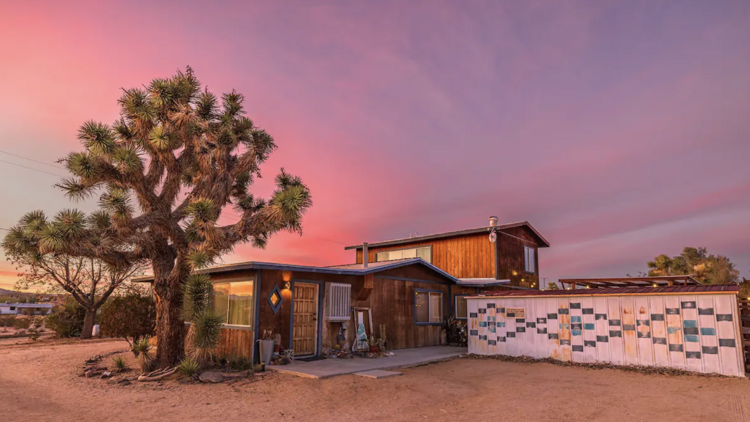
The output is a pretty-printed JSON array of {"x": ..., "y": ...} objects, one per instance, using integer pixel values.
[
  {"x": 37, "y": 247},
  {"x": 182, "y": 157}
]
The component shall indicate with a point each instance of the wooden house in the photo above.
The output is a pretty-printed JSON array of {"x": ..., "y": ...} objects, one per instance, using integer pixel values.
[{"x": 313, "y": 308}]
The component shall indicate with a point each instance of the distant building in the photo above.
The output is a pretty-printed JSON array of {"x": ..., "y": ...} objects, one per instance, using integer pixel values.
[{"x": 8, "y": 308}]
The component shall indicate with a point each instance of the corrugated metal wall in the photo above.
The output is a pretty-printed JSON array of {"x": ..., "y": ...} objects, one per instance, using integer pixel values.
[{"x": 697, "y": 333}]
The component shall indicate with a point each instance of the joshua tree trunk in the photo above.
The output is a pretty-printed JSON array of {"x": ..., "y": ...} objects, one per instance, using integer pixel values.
[
  {"x": 170, "y": 334},
  {"x": 88, "y": 322}
]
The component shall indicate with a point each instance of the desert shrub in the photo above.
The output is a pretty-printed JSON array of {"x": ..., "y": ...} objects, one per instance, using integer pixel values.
[
  {"x": 67, "y": 320},
  {"x": 7, "y": 321},
  {"x": 22, "y": 323},
  {"x": 189, "y": 368},
  {"x": 131, "y": 317},
  {"x": 38, "y": 322},
  {"x": 241, "y": 364},
  {"x": 142, "y": 351},
  {"x": 33, "y": 334},
  {"x": 120, "y": 363}
]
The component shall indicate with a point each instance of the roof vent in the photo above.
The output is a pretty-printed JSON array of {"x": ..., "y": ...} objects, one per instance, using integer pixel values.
[{"x": 493, "y": 221}]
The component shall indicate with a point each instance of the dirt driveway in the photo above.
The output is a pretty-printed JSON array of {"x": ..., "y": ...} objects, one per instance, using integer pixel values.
[{"x": 41, "y": 383}]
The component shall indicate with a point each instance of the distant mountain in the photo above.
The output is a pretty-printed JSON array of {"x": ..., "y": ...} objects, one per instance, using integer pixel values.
[{"x": 6, "y": 292}]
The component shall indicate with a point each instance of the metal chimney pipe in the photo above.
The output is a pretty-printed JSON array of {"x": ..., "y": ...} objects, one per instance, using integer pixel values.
[
  {"x": 493, "y": 221},
  {"x": 364, "y": 255}
]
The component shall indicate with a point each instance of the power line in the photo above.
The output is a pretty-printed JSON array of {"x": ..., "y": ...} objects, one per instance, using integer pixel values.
[
  {"x": 31, "y": 159},
  {"x": 31, "y": 168}
]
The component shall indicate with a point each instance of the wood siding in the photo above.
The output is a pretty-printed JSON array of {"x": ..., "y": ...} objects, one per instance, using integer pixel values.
[
  {"x": 511, "y": 259},
  {"x": 471, "y": 256},
  {"x": 391, "y": 302},
  {"x": 235, "y": 343}
]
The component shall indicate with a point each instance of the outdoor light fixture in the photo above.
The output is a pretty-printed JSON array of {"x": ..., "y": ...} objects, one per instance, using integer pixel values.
[
  {"x": 288, "y": 285},
  {"x": 515, "y": 272}
]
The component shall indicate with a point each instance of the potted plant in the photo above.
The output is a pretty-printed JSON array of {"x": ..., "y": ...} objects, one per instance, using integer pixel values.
[
  {"x": 374, "y": 345},
  {"x": 266, "y": 346}
]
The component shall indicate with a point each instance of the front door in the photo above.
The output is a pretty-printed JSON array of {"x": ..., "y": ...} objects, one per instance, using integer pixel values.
[{"x": 305, "y": 323}]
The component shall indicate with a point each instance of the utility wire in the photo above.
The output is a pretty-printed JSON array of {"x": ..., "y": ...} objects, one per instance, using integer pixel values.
[
  {"x": 31, "y": 168},
  {"x": 31, "y": 159}
]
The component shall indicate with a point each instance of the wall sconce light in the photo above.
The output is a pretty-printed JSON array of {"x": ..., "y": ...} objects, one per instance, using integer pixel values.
[
  {"x": 288, "y": 285},
  {"x": 515, "y": 272}
]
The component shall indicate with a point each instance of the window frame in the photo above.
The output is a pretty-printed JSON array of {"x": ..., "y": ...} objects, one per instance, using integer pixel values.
[
  {"x": 442, "y": 306},
  {"x": 404, "y": 249},
  {"x": 255, "y": 302},
  {"x": 455, "y": 306},
  {"x": 529, "y": 256}
]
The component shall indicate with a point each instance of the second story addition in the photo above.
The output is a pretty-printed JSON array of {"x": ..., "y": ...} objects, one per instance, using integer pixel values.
[{"x": 471, "y": 254}]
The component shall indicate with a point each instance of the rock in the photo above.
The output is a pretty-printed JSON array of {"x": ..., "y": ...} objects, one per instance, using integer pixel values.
[
  {"x": 92, "y": 373},
  {"x": 106, "y": 374},
  {"x": 124, "y": 382},
  {"x": 211, "y": 376}
]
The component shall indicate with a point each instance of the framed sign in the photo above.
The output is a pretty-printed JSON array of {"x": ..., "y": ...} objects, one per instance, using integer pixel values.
[{"x": 515, "y": 313}]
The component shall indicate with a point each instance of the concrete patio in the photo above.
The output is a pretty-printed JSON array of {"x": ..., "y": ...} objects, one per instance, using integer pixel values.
[{"x": 327, "y": 368}]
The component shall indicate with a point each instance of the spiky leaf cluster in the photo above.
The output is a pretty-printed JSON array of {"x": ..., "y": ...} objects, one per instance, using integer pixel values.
[{"x": 165, "y": 170}]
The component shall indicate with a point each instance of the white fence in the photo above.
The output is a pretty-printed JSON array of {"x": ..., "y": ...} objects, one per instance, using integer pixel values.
[{"x": 693, "y": 332}]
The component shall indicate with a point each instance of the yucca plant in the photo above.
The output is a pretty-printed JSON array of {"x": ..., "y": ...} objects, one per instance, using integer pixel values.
[
  {"x": 189, "y": 368},
  {"x": 120, "y": 363},
  {"x": 142, "y": 350},
  {"x": 197, "y": 299},
  {"x": 164, "y": 172},
  {"x": 206, "y": 336}
]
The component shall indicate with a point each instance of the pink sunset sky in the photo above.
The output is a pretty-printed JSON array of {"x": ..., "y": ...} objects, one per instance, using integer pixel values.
[{"x": 619, "y": 129}]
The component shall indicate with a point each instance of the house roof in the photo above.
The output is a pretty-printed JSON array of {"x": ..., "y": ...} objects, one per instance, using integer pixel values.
[
  {"x": 352, "y": 269},
  {"x": 481, "y": 282},
  {"x": 660, "y": 281},
  {"x": 709, "y": 289},
  {"x": 479, "y": 230}
]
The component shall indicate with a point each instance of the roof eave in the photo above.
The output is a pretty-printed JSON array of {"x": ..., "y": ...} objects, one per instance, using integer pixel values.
[
  {"x": 545, "y": 243},
  {"x": 302, "y": 268}
]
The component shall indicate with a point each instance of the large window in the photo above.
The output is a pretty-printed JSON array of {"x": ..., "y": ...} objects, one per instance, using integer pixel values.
[
  {"x": 424, "y": 252},
  {"x": 235, "y": 302},
  {"x": 428, "y": 307},
  {"x": 529, "y": 258},
  {"x": 460, "y": 307}
]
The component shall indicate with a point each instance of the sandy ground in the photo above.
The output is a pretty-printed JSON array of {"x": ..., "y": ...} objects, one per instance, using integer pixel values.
[{"x": 41, "y": 383}]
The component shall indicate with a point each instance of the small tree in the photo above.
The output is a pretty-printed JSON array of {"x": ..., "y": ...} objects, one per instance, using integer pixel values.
[
  {"x": 706, "y": 268},
  {"x": 131, "y": 317},
  {"x": 37, "y": 246},
  {"x": 67, "y": 320}
]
